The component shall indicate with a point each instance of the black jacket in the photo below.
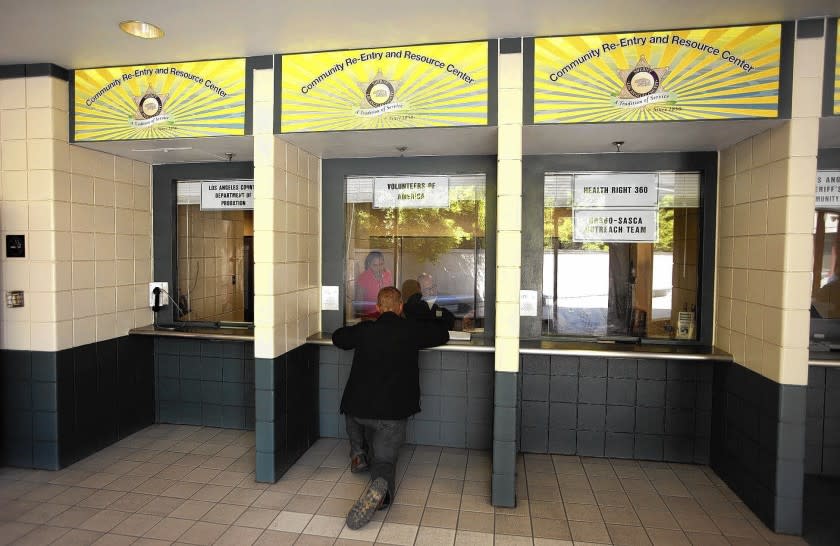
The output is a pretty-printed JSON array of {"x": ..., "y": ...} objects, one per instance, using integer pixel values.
[
  {"x": 416, "y": 308},
  {"x": 384, "y": 381}
]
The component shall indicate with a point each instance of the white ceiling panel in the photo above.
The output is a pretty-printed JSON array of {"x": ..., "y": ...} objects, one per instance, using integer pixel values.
[{"x": 76, "y": 34}]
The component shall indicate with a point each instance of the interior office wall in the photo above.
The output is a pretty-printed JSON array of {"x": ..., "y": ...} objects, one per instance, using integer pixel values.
[
  {"x": 111, "y": 244},
  {"x": 87, "y": 222}
]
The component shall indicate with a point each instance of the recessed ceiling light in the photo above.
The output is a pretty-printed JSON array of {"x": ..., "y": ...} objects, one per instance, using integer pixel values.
[{"x": 141, "y": 29}]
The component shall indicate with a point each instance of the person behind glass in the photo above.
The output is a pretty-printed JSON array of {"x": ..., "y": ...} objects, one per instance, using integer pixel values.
[
  {"x": 383, "y": 390},
  {"x": 415, "y": 307},
  {"x": 424, "y": 304},
  {"x": 370, "y": 282}
]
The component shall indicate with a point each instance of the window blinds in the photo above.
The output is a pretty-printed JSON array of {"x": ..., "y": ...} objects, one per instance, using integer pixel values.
[{"x": 676, "y": 189}]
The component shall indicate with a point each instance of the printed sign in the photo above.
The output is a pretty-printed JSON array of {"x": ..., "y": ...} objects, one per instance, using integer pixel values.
[
  {"x": 616, "y": 190},
  {"x": 194, "y": 99},
  {"x": 227, "y": 195},
  {"x": 615, "y": 225},
  {"x": 329, "y": 298},
  {"x": 685, "y": 325},
  {"x": 528, "y": 300},
  {"x": 411, "y": 192},
  {"x": 828, "y": 190},
  {"x": 442, "y": 85},
  {"x": 715, "y": 73}
]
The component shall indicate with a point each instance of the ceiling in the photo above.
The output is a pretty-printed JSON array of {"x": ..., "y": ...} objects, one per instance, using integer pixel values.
[{"x": 85, "y": 34}]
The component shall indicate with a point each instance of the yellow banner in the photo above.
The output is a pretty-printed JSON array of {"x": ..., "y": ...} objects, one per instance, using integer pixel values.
[
  {"x": 193, "y": 99},
  {"x": 837, "y": 72},
  {"x": 716, "y": 73},
  {"x": 441, "y": 85}
]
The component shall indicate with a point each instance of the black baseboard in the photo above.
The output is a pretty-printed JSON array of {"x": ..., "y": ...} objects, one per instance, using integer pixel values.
[
  {"x": 456, "y": 398},
  {"x": 649, "y": 409},
  {"x": 822, "y": 432},
  {"x": 286, "y": 410},
  {"x": 204, "y": 382},
  {"x": 59, "y": 407}
]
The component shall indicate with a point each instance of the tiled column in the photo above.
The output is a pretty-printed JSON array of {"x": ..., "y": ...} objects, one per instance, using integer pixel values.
[
  {"x": 267, "y": 203},
  {"x": 36, "y": 203},
  {"x": 508, "y": 262},
  {"x": 286, "y": 283},
  {"x": 765, "y": 255}
]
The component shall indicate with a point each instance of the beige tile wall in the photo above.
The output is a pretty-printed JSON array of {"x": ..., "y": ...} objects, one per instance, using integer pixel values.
[
  {"x": 765, "y": 241},
  {"x": 287, "y": 227},
  {"x": 509, "y": 216},
  {"x": 87, "y": 222}
]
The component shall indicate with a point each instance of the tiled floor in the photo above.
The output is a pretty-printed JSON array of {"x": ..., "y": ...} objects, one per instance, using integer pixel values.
[{"x": 190, "y": 485}]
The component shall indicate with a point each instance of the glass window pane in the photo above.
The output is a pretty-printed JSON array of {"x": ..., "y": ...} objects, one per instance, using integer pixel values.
[
  {"x": 417, "y": 233},
  {"x": 214, "y": 260},
  {"x": 640, "y": 275},
  {"x": 825, "y": 297}
]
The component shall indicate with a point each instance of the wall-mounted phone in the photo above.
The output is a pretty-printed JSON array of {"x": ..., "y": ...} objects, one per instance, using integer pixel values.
[{"x": 160, "y": 299}]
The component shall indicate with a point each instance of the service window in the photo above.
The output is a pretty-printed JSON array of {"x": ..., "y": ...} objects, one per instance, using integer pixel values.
[
  {"x": 621, "y": 254},
  {"x": 423, "y": 232},
  {"x": 825, "y": 290},
  {"x": 215, "y": 231}
]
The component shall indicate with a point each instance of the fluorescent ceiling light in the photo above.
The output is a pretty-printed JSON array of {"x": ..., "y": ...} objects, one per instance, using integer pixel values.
[
  {"x": 166, "y": 149},
  {"x": 141, "y": 29}
]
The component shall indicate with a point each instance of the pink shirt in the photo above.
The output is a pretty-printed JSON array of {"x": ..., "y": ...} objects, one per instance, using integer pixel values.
[{"x": 368, "y": 287}]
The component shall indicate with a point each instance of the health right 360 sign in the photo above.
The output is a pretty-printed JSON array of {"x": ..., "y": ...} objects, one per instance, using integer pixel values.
[{"x": 716, "y": 73}]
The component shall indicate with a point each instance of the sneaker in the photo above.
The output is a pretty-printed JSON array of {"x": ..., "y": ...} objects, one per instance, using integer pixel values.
[
  {"x": 358, "y": 464},
  {"x": 362, "y": 512}
]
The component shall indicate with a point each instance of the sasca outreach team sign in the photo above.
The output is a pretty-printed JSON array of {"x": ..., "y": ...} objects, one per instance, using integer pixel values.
[
  {"x": 716, "y": 73},
  {"x": 192, "y": 99},
  {"x": 441, "y": 85}
]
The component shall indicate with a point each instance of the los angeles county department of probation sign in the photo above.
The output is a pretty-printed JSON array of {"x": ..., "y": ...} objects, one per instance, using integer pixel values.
[
  {"x": 192, "y": 99},
  {"x": 715, "y": 73},
  {"x": 227, "y": 195},
  {"x": 441, "y": 85}
]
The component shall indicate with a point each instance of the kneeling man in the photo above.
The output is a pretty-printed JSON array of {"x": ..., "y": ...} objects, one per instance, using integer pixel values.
[{"x": 383, "y": 390}]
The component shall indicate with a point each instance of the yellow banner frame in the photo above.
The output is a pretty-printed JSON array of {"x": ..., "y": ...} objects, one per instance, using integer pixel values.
[
  {"x": 431, "y": 85},
  {"x": 164, "y": 100},
  {"x": 667, "y": 75}
]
